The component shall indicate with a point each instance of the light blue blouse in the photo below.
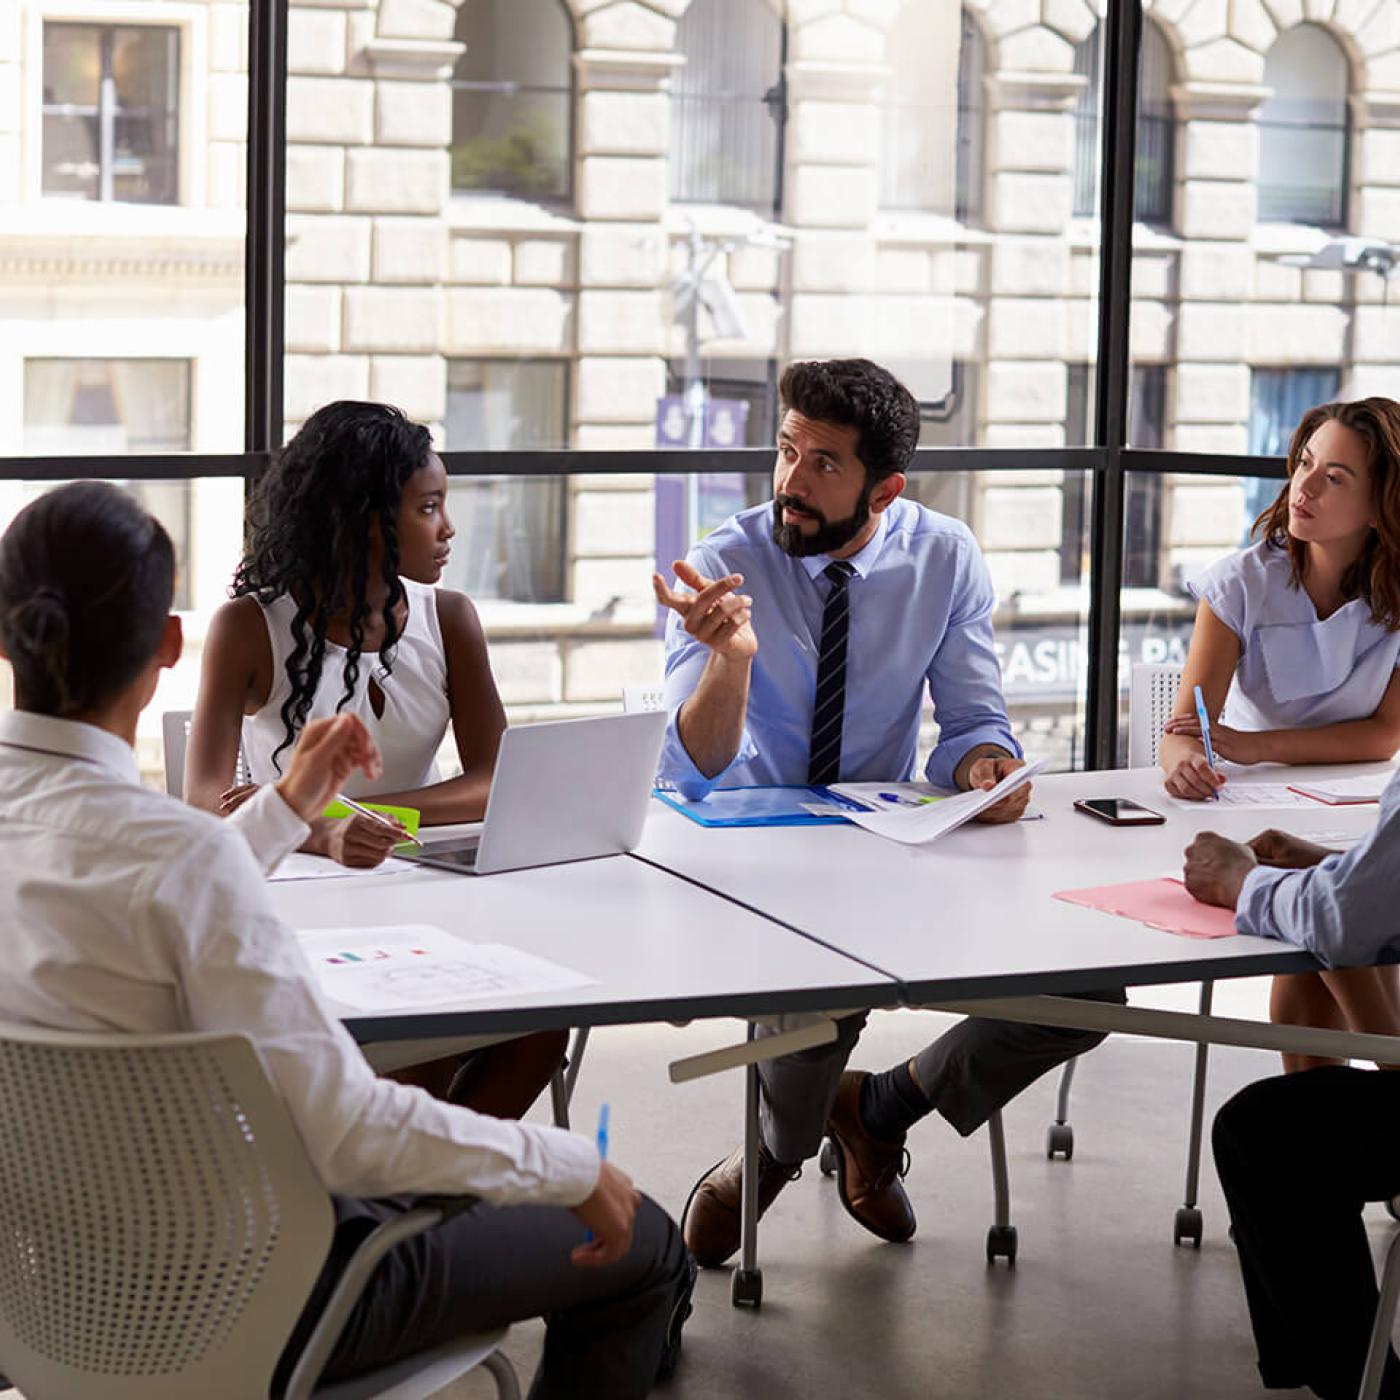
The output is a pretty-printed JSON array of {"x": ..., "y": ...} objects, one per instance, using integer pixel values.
[{"x": 1294, "y": 671}]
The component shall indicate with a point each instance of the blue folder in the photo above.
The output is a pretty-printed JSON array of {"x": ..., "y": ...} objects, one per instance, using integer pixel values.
[{"x": 757, "y": 806}]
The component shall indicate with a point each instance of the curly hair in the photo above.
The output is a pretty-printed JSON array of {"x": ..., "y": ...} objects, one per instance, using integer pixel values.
[
  {"x": 862, "y": 395},
  {"x": 1375, "y": 576},
  {"x": 310, "y": 523}
]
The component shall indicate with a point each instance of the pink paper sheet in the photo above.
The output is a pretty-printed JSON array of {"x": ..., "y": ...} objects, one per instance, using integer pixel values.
[{"x": 1162, "y": 904}]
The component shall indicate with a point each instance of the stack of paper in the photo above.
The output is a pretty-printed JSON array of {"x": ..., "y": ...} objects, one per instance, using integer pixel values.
[
  {"x": 917, "y": 825},
  {"x": 1341, "y": 792}
]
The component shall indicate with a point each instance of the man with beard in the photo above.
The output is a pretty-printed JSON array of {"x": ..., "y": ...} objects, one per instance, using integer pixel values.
[{"x": 855, "y": 600}]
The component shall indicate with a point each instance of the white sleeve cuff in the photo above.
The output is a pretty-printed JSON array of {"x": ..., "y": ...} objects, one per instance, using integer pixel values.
[{"x": 269, "y": 826}]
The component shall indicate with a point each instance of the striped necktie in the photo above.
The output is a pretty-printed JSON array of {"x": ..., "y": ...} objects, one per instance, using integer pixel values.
[{"x": 829, "y": 706}]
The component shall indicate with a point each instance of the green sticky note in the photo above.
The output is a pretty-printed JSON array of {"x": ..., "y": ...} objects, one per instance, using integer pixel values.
[{"x": 409, "y": 816}]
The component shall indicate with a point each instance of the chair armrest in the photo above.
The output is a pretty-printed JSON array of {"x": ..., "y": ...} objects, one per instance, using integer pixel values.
[{"x": 426, "y": 1213}]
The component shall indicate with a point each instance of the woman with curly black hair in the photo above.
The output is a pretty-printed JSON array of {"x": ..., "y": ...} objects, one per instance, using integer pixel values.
[{"x": 334, "y": 610}]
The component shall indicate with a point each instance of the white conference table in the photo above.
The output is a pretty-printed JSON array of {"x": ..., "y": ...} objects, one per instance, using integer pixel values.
[
  {"x": 777, "y": 921},
  {"x": 657, "y": 948},
  {"x": 973, "y": 915}
]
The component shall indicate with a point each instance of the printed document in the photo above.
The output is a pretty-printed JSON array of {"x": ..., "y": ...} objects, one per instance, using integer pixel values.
[
  {"x": 413, "y": 966},
  {"x": 916, "y": 826},
  {"x": 301, "y": 865}
]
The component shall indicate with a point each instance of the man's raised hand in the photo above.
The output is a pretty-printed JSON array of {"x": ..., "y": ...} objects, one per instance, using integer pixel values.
[{"x": 713, "y": 614}]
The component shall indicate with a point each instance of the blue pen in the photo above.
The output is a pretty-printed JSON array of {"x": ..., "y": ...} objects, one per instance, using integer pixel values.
[
  {"x": 604, "y": 1112},
  {"x": 1205, "y": 731}
]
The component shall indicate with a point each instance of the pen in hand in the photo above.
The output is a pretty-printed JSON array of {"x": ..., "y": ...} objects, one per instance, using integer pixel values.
[
  {"x": 376, "y": 817},
  {"x": 604, "y": 1113},
  {"x": 1205, "y": 734}
]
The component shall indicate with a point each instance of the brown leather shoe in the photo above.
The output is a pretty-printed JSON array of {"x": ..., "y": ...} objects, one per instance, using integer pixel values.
[
  {"x": 868, "y": 1172},
  {"x": 712, "y": 1221}
]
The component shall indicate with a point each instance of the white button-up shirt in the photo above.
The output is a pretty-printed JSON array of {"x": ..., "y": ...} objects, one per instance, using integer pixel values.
[{"x": 128, "y": 911}]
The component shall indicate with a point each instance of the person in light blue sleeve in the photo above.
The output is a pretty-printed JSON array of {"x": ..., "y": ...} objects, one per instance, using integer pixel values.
[
  {"x": 855, "y": 603},
  {"x": 1298, "y": 1155},
  {"x": 1298, "y": 638}
]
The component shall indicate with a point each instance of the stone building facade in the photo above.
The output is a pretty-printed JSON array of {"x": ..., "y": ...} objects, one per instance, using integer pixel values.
[{"x": 392, "y": 275}]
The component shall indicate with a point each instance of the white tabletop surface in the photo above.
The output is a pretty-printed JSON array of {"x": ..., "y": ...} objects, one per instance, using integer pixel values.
[
  {"x": 659, "y": 947},
  {"x": 973, "y": 913}
]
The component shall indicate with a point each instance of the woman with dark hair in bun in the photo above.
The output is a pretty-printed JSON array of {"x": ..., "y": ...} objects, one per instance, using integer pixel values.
[
  {"x": 335, "y": 611},
  {"x": 126, "y": 911}
]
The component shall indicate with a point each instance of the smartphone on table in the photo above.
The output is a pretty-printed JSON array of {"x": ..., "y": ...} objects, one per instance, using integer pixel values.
[{"x": 1119, "y": 811}]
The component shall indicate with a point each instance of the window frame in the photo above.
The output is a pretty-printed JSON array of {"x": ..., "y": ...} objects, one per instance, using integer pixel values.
[
  {"x": 191, "y": 23},
  {"x": 775, "y": 99},
  {"x": 565, "y": 198},
  {"x": 1108, "y": 458},
  {"x": 1338, "y": 217}
]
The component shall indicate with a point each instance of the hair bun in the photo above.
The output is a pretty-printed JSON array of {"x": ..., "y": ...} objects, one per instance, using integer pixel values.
[{"x": 38, "y": 629}]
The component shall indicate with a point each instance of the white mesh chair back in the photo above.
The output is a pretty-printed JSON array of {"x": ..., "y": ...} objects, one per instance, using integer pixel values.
[
  {"x": 1151, "y": 695},
  {"x": 160, "y": 1223},
  {"x": 175, "y": 739},
  {"x": 636, "y": 698}
]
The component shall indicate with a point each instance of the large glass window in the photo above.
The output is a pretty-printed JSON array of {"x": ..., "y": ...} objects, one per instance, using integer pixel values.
[
  {"x": 1153, "y": 169},
  {"x": 113, "y": 408},
  {"x": 918, "y": 169},
  {"x": 1303, "y": 130},
  {"x": 510, "y": 530},
  {"x": 512, "y": 98},
  {"x": 111, "y": 112},
  {"x": 727, "y": 105},
  {"x": 1142, "y": 515}
]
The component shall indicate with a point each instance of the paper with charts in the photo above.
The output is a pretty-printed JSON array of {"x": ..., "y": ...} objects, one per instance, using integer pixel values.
[
  {"x": 1162, "y": 904},
  {"x": 410, "y": 966},
  {"x": 915, "y": 826}
]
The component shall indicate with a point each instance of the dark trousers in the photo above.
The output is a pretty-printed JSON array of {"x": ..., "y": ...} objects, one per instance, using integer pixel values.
[
  {"x": 1298, "y": 1156},
  {"x": 499, "y": 1264},
  {"x": 968, "y": 1073}
]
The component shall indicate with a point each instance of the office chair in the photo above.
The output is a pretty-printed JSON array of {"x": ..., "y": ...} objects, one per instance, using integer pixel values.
[
  {"x": 161, "y": 1228},
  {"x": 175, "y": 740}
]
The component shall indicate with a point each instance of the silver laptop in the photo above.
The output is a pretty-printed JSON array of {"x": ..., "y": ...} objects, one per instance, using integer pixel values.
[{"x": 564, "y": 791}]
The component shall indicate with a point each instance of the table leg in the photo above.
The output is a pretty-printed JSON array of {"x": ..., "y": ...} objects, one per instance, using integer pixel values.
[
  {"x": 746, "y": 1286},
  {"x": 1188, "y": 1224}
]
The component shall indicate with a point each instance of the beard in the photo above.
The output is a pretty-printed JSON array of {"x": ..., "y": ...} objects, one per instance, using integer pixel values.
[{"x": 829, "y": 536}]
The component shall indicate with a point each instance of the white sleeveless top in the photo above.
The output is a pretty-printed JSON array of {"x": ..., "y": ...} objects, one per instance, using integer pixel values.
[{"x": 416, "y": 708}]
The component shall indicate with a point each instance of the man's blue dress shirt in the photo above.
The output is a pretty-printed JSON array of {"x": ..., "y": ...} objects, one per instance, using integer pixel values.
[
  {"x": 921, "y": 614},
  {"x": 1345, "y": 911}
]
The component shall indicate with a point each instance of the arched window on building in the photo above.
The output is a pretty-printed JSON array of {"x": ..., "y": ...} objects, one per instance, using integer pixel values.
[
  {"x": 512, "y": 99},
  {"x": 931, "y": 156},
  {"x": 1304, "y": 130},
  {"x": 1155, "y": 141},
  {"x": 728, "y": 105}
]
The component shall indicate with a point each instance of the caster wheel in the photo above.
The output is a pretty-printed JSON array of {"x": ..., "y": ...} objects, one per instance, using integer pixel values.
[
  {"x": 1187, "y": 1226},
  {"x": 826, "y": 1160},
  {"x": 746, "y": 1288},
  {"x": 1393, "y": 1207},
  {"x": 1059, "y": 1141},
  {"x": 1001, "y": 1244}
]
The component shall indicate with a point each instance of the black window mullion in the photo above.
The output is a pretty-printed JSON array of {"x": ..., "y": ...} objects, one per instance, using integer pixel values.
[
  {"x": 267, "y": 200},
  {"x": 1122, "y": 40}
]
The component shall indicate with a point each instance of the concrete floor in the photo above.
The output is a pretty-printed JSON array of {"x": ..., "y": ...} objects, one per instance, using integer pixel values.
[{"x": 1100, "y": 1305}]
